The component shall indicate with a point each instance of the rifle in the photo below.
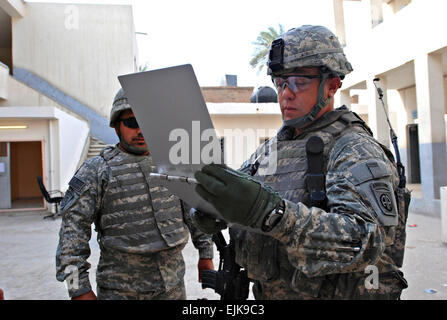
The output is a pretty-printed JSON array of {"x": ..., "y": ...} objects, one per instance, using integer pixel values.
[
  {"x": 400, "y": 167},
  {"x": 230, "y": 281}
]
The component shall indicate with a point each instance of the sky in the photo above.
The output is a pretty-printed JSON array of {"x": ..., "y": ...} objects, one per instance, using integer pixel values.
[{"x": 214, "y": 36}]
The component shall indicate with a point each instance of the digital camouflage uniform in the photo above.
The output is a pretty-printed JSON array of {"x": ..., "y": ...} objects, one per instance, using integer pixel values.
[
  {"x": 316, "y": 253},
  {"x": 140, "y": 225},
  {"x": 142, "y": 228},
  {"x": 324, "y": 251}
]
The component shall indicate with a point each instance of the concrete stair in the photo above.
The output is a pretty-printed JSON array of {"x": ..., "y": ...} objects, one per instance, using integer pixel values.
[{"x": 95, "y": 148}]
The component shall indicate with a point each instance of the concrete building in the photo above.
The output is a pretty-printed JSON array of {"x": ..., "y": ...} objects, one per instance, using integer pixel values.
[
  {"x": 58, "y": 76},
  {"x": 241, "y": 124},
  {"x": 403, "y": 43}
]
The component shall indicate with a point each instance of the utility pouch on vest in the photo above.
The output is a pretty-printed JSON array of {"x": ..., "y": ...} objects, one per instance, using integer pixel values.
[
  {"x": 403, "y": 197},
  {"x": 255, "y": 252},
  {"x": 315, "y": 177}
]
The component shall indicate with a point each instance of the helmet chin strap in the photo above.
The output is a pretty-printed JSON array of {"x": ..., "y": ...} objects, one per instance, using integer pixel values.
[
  {"x": 131, "y": 149},
  {"x": 302, "y": 121}
]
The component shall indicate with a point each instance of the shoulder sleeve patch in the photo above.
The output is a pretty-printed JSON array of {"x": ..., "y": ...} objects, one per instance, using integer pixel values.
[
  {"x": 369, "y": 170},
  {"x": 372, "y": 179},
  {"x": 384, "y": 198},
  {"x": 77, "y": 184}
]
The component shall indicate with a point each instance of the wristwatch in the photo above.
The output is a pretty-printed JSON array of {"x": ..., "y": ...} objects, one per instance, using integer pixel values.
[{"x": 273, "y": 217}]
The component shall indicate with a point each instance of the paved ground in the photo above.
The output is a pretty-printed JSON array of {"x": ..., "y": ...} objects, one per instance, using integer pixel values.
[
  {"x": 27, "y": 264},
  {"x": 28, "y": 244},
  {"x": 425, "y": 263}
]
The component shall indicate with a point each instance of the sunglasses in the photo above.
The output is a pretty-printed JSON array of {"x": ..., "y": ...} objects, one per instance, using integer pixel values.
[
  {"x": 295, "y": 82},
  {"x": 130, "y": 122}
]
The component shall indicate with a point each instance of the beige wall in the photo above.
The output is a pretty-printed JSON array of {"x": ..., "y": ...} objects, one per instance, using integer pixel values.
[
  {"x": 243, "y": 133},
  {"x": 227, "y": 94},
  {"x": 4, "y": 76},
  {"x": 5, "y": 38},
  {"x": 63, "y": 137},
  {"x": 38, "y": 131},
  {"x": 408, "y": 52},
  {"x": 396, "y": 5},
  {"x": 62, "y": 132},
  {"x": 393, "y": 43},
  {"x": 19, "y": 94},
  {"x": 80, "y": 49},
  {"x": 389, "y": 51}
]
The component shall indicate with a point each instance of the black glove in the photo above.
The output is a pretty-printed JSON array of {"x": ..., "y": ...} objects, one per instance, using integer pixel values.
[
  {"x": 206, "y": 223},
  {"x": 235, "y": 195}
]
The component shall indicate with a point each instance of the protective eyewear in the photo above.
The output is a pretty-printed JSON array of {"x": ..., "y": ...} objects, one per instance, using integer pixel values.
[
  {"x": 295, "y": 82},
  {"x": 130, "y": 122}
]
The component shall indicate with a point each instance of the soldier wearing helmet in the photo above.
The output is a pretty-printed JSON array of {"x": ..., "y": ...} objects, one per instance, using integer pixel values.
[
  {"x": 142, "y": 228},
  {"x": 313, "y": 212},
  {"x": 126, "y": 127}
]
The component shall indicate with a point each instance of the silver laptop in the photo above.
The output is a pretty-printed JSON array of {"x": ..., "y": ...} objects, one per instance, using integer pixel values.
[{"x": 173, "y": 117}]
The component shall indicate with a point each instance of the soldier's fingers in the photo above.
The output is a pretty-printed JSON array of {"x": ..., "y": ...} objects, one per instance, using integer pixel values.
[
  {"x": 223, "y": 172},
  {"x": 218, "y": 171},
  {"x": 202, "y": 192},
  {"x": 210, "y": 183}
]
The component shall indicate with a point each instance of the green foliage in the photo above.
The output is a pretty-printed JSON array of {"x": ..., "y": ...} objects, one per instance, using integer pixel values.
[
  {"x": 143, "y": 67},
  {"x": 262, "y": 46}
]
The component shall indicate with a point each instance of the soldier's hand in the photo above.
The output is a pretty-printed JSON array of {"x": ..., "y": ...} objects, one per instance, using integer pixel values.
[
  {"x": 204, "y": 264},
  {"x": 86, "y": 296},
  {"x": 206, "y": 223},
  {"x": 236, "y": 196}
]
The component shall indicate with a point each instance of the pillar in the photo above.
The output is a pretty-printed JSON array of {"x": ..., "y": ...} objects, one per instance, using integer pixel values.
[
  {"x": 343, "y": 98},
  {"x": 430, "y": 109},
  {"x": 339, "y": 19}
]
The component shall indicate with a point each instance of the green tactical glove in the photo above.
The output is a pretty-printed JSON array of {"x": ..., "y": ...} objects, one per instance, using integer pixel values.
[
  {"x": 237, "y": 197},
  {"x": 206, "y": 223}
]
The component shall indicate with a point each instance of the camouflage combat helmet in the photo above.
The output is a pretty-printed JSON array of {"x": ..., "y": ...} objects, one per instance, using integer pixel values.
[
  {"x": 308, "y": 46},
  {"x": 120, "y": 104}
]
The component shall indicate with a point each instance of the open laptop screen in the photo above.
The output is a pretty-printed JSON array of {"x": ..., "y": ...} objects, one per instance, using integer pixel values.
[{"x": 173, "y": 117}]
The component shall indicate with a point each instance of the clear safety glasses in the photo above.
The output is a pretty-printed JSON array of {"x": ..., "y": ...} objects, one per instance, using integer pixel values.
[{"x": 295, "y": 82}]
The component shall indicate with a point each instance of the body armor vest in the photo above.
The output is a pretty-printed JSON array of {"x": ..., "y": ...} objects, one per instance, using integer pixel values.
[
  {"x": 265, "y": 258},
  {"x": 139, "y": 215}
]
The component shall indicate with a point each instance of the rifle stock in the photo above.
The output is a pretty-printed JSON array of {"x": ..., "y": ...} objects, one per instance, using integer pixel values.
[{"x": 230, "y": 281}]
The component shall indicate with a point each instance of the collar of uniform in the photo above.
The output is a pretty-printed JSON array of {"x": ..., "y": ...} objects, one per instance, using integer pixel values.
[{"x": 325, "y": 120}]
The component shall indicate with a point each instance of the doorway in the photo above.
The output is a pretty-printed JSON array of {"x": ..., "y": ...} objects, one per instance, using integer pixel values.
[
  {"x": 26, "y": 165},
  {"x": 6, "y": 40},
  {"x": 414, "y": 169}
]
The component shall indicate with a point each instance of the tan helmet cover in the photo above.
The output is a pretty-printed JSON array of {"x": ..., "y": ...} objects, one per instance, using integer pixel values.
[
  {"x": 307, "y": 46},
  {"x": 120, "y": 104}
]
